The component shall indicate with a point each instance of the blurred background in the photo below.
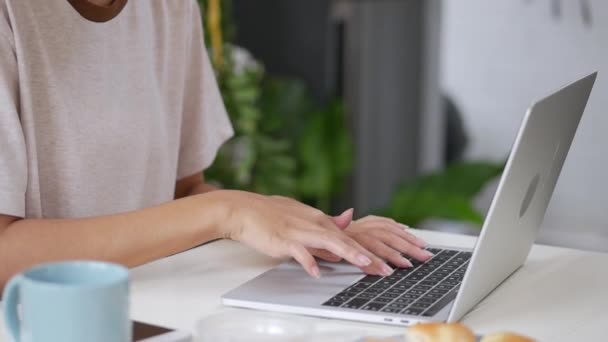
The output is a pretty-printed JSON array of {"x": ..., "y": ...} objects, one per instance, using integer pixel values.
[{"x": 407, "y": 108}]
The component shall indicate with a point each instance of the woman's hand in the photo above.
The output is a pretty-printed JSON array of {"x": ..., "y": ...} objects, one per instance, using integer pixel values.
[
  {"x": 280, "y": 227},
  {"x": 385, "y": 238},
  {"x": 388, "y": 239}
]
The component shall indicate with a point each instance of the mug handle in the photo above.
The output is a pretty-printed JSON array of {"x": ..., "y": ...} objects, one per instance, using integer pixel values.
[{"x": 10, "y": 303}]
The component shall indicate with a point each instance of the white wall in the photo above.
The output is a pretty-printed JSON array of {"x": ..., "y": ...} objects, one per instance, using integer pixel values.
[{"x": 497, "y": 56}]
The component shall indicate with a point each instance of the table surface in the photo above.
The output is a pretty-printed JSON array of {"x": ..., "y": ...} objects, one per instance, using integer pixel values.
[{"x": 558, "y": 295}]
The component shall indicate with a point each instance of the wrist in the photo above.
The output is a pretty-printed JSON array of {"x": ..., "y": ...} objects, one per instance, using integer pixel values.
[{"x": 217, "y": 215}]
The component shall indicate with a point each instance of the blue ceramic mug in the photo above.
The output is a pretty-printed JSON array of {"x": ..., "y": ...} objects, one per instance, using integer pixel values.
[{"x": 72, "y": 301}]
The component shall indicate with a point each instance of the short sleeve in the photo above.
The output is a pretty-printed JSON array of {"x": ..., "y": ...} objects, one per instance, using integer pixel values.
[
  {"x": 13, "y": 162},
  {"x": 205, "y": 123}
]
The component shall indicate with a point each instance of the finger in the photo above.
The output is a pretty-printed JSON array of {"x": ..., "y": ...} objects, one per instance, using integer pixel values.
[
  {"x": 334, "y": 242},
  {"x": 344, "y": 219},
  {"x": 302, "y": 256},
  {"x": 388, "y": 253},
  {"x": 378, "y": 266},
  {"x": 405, "y": 232},
  {"x": 397, "y": 228},
  {"x": 400, "y": 230},
  {"x": 325, "y": 255},
  {"x": 404, "y": 246}
]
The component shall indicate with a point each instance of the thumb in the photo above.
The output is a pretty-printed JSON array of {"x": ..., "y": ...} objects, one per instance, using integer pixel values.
[{"x": 344, "y": 219}]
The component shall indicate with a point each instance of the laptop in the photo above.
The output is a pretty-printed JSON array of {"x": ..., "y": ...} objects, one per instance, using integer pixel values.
[{"x": 450, "y": 284}]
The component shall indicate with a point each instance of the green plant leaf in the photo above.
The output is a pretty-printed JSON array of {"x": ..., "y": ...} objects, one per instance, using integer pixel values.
[
  {"x": 325, "y": 153},
  {"x": 286, "y": 103},
  {"x": 446, "y": 194},
  {"x": 284, "y": 143},
  {"x": 413, "y": 207},
  {"x": 465, "y": 179}
]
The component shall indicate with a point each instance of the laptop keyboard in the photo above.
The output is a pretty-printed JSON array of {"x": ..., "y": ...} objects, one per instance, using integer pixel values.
[{"x": 424, "y": 289}]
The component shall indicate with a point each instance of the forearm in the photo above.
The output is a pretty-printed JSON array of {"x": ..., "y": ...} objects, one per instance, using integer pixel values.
[{"x": 131, "y": 238}]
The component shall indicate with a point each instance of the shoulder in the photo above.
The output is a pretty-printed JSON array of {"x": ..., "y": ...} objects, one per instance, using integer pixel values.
[
  {"x": 175, "y": 13},
  {"x": 173, "y": 8}
]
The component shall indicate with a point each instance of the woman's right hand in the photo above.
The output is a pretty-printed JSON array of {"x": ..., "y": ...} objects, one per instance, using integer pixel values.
[{"x": 281, "y": 227}]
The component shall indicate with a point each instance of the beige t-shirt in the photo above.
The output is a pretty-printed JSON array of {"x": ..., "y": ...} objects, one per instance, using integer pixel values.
[{"x": 103, "y": 115}]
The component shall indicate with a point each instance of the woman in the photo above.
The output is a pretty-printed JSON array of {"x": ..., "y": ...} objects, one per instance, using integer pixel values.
[{"x": 109, "y": 112}]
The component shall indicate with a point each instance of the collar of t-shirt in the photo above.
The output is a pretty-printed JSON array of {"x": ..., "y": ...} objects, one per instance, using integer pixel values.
[{"x": 97, "y": 13}]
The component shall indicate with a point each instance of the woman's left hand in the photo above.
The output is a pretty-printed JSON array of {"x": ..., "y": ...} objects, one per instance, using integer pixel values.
[{"x": 384, "y": 237}]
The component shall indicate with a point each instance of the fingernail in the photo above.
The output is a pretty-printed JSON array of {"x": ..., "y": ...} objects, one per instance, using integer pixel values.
[
  {"x": 406, "y": 262},
  {"x": 427, "y": 254},
  {"x": 315, "y": 272},
  {"x": 420, "y": 242},
  {"x": 364, "y": 260},
  {"x": 386, "y": 270},
  {"x": 346, "y": 212}
]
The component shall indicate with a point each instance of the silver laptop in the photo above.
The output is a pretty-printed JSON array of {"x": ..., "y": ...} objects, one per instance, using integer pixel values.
[{"x": 446, "y": 287}]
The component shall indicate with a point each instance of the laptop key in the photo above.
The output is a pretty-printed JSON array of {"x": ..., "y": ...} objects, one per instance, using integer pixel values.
[
  {"x": 355, "y": 303},
  {"x": 443, "y": 286},
  {"x": 350, "y": 293},
  {"x": 450, "y": 283},
  {"x": 438, "y": 291},
  {"x": 415, "y": 277},
  {"x": 422, "y": 287},
  {"x": 394, "y": 292},
  {"x": 434, "y": 250},
  {"x": 419, "y": 287},
  {"x": 432, "y": 296},
  {"x": 405, "y": 301},
  {"x": 366, "y": 295},
  {"x": 373, "y": 306},
  {"x": 397, "y": 306},
  {"x": 384, "y": 300},
  {"x": 435, "y": 308},
  {"x": 374, "y": 290},
  {"x": 409, "y": 296},
  {"x": 370, "y": 279},
  {"x": 333, "y": 303},
  {"x": 420, "y": 272},
  {"x": 426, "y": 300},
  {"x": 358, "y": 287},
  {"x": 433, "y": 279},
  {"x": 420, "y": 303},
  {"x": 415, "y": 263},
  {"x": 442, "y": 256},
  {"x": 442, "y": 273},
  {"x": 435, "y": 262},
  {"x": 412, "y": 311},
  {"x": 416, "y": 292}
]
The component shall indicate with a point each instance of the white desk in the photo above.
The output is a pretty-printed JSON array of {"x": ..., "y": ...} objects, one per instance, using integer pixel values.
[{"x": 558, "y": 295}]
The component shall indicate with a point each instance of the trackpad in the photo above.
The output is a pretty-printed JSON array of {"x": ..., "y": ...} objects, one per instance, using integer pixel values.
[{"x": 290, "y": 284}]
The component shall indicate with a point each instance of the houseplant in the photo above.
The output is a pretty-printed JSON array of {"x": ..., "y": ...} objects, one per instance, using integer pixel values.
[{"x": 287, "y": 144}]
